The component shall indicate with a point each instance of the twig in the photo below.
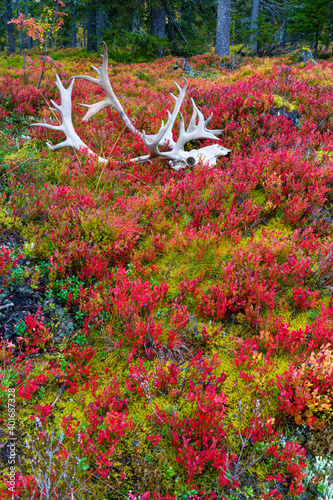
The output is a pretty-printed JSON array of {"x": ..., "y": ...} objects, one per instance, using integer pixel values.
[
  {"x": 16, "y": 166},
  {"x": 49, "y": 35},
  {"x": 62, "y": 388},
  {"x": 6, "y": 306},
  {"x": 109, "y": 156}
]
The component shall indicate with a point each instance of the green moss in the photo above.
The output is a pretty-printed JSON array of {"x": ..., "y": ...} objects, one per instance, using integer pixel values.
[
  {"x": 279, "y": 226},
  {"x": 13, "y": 61},
  {"x": 7, "y": 221},
  {"x": 258, "y": 196},
  {"x": 280, "y": 102}
]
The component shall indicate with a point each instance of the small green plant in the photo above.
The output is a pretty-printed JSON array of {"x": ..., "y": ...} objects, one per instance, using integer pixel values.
[
  {"x": 20, "y": 328},
  {"x": 19, "y": 274},
  {"x": 313, "y": 315},
  {"x": 319, "y": 479},
  {"x": 186, "y": 493},
  {"x": 247, "y": 492},
  {"x": 44, "y": 267},
  {"x": 62, "y": 362},
  {"x": 168, "y": 473},
  {"x": 7, "y": 379},
  {"x": 82, "y": 464},
  {"x": 79, "y": 317},
  {"x": 80, "y": 340},
  {"x": 62, "y": 289},
  {"x": 41, "y": 392}
]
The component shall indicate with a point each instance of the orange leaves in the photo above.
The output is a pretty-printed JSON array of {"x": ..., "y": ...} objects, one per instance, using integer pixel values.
[{"x": 29, "y": 25}]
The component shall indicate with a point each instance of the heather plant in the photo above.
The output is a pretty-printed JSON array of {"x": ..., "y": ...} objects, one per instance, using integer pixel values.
[
  {"x": 54, "y": 477},
  {"x": 199, "y": 363}
]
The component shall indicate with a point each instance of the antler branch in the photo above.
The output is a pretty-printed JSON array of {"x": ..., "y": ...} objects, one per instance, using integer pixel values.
[
  {"x": 179, "y": 158},
  {"x": 194, "y": 131},
  {"x": 166, "y": 137},
  {"x": 197, "y": 129},
  {"x": 111, "y": 99},
  {"x": 65, "y": 111}
]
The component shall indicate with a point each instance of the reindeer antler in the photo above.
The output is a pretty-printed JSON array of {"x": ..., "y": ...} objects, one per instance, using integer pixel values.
[
  {"x": 65, "y": 110},
  {"x": 179, "y": 158},
  {"x": 111, "y": 99},
  {"x": 166, "y": 137}
]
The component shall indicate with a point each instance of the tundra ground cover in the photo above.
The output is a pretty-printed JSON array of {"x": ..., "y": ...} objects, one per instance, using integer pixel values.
[{"x": 198, "y": 360}]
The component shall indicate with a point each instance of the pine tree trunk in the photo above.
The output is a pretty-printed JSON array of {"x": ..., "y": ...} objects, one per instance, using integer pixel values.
[
  {"x": 136, "y": 23},
  {"x": 27, "y": 37},
  {"x": 254, "y": 25},
  {"x": 10, "y": 27},
  {"x": 158, "y": 15},
  {"x": 74, "y": 30},
  {"x": 101, "y": 23},
  {"x": 222, "y": 43},
  {"x": 20, "y": 32},
  {"x": 92, "y": 28},
  {"x": 74, "y": 35},
  {"x": 316, "y": 45},
  {"x": 283, "y": 33}
]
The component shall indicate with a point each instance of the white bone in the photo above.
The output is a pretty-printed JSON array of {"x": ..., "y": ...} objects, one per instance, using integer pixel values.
[
  {"x": 111, "y": 99},
  {"x": 177, "y": 156},
  {"x": 65, "y": 110}
]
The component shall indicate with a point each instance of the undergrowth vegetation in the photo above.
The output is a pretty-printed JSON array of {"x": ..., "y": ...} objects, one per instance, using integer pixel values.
[{"x": 177, "y": 340}]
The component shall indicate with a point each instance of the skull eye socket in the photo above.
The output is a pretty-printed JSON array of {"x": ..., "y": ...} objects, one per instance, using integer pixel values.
[{"x": 190, "y": 161}]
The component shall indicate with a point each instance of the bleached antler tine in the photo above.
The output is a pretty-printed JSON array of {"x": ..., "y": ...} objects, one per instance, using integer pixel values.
[
  {"x": 167, "y": 138},
  {"x": 180, "y": 88},
  {"x": 105, "y": 57},
  {"x": 47, "y": 125},
  {"x": 96, "y": 69},
  {"x": 65, "y": 110},
  {"x": 56, "y": 106},
  {"x": 50, "y": 146},
  {"x": 111, "y": 99},
  {"x": 192, "y": 124},
  {"x": 199, "y": 115},
  {"x": 216, "y": 131},
  {"x": 63, "y": 144},
  {"x": 152, "y": 142},
  {"x": 208, "y": 119},
  {"x": 181, "y": 125},
  {"x": 87, "y": 77},
  {"x": 94, "y": 108}
]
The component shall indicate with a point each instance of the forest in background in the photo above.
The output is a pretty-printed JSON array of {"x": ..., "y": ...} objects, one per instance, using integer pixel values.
[{"x": 137, "y": 31}]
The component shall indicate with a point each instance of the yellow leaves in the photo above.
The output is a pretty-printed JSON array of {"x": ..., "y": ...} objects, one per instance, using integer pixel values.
[
  {"x": 256, "y": 356},
  {"x": 281, "y": 102},
  {"x": 258, "y": 196},
  {"x": 45, "y": 24},
  {"x": 321, "y": 363},
  {"x": 7, "y": 221},
  {"x": 308, "y": 380},
  {"x": 265, "y": 336}
]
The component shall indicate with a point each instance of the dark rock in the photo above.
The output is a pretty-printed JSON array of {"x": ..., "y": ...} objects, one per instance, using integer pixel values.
[{"x": 293, "y": 115}]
